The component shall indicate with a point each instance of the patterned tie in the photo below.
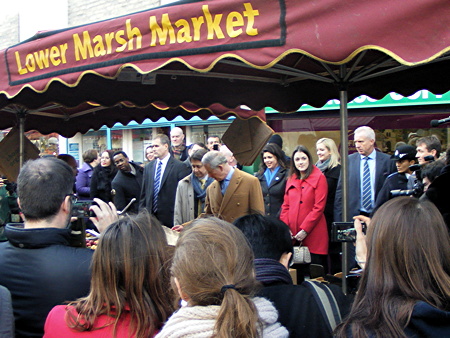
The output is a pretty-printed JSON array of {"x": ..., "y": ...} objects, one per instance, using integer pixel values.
[
  {"x": 367, "y": 189},
  {"x": 200, "y": 204},
  {"x": 156, "y": 186}
]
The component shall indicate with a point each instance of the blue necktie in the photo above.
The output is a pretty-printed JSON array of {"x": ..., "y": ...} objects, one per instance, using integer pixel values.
[
  {"x": 156, "y": 187},
  {"x": 367, "y": 189}
]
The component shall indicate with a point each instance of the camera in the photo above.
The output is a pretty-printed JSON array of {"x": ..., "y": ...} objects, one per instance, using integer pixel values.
[
  {"x": 345, "y": 231},
  {"x": 216, "y": 147},
  {"x": 80, "y": 209}
]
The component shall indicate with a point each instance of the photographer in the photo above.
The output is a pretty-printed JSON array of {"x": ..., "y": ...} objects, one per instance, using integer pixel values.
[
  {"x": 37, "y": 264},
  {"x": 406, "y": 273}
]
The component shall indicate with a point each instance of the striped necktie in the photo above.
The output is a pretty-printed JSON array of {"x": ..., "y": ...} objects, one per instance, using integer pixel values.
[
  {"x": 156, "y": 186},
  {"x": 367, "y": 189}
]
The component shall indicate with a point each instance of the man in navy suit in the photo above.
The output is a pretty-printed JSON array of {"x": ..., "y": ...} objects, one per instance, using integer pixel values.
[
  {"x": 380, "y": 167},
  {"x": 160, "y": 183}
]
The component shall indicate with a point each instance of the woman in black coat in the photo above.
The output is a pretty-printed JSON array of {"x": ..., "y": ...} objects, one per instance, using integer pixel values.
[
  {"x": 102, "y": 177},
  {"x": 272, "y": 177},
  {"x": 328, "y": 163}
]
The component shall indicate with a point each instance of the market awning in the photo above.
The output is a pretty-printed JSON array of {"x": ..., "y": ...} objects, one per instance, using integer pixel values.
[{"x": 279, "y": 53}]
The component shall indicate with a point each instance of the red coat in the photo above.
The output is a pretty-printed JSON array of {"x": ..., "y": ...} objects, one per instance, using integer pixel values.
[
  {"x": 55, "y": 326},
  {"x": 302, "y": 209}
]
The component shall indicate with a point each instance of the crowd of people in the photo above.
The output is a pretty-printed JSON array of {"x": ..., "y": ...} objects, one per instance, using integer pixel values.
[{"x": 228, "y": 274}]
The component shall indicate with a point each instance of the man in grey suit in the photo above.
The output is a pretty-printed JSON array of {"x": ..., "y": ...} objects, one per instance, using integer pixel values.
[
  {"x": 361, "y": 197},
  {"x": 160, "y": 182}
]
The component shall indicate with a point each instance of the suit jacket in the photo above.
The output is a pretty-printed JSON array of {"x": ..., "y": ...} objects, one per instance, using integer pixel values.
[
  {"x": 242, "y": 197},
  {"x": 384, "y": 166},
  {"x": 174, "y": 172}
]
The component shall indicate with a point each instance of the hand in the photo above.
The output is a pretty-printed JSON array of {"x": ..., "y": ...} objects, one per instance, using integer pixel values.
[
  {"x": 1, "y": 182},
  {"x": 177, "y": 228},
  {"x": 361, "y": 244},
  {"x": 301, "y": 235},
  {"x": 106, "y": 214}
]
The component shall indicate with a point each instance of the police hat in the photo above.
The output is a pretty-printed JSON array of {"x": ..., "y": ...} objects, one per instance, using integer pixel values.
[{"x": 405, "y": 152}]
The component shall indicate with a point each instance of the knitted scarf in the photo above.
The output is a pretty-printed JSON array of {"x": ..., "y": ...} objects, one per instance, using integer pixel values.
[
  {"x": 323, "y": 165},
  {"x": 270, "y": 271},
  {"x": 199, "y": 193}
]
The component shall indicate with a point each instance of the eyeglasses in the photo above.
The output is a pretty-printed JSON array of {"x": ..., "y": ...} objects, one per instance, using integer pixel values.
[{"x": 73, "y": 198}]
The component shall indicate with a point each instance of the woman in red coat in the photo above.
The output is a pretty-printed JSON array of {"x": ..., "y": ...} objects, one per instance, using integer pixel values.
[{"x": 304, "y": 203}]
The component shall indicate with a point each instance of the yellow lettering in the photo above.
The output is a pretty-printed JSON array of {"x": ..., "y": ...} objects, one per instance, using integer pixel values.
[
  {"x": 30, "y": 63},
  {"x": 131, "y": 33},
  {"x": 63, "y": 49},
  {"x": 82, "y": 48},
  {"x": 121, "y": 41},
  {"x": 197, "y": 23},
  {"x": 234, "y": 19},
  {"x": 184, "y": 33},
  {"x": 99, "y": 47},
  {"x": 161, "y": 32},
  {"x": 109, "y": 37},
  {"x": 250, "y": 13},
  {"x": 20, "y": 70},
  {"x": 213, "y": 24},
  {"x": 54, "y": 56},
  {"x": 41, "y": 58}
]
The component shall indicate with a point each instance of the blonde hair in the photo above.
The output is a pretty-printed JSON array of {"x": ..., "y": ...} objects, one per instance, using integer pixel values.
[
  {"x": 335, "y": 157},
  {"x": 212, "y": 254}
]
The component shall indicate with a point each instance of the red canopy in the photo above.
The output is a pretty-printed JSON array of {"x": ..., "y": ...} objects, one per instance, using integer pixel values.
[{"x": 278, "y": 53}]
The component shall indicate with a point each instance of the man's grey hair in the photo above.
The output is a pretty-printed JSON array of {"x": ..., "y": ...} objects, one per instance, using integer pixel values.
[
  {"x": 214, "y": 159},
  {"x": 366, "y": 131}
]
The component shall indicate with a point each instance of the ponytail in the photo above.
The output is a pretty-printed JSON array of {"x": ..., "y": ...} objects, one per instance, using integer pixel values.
[{"x": 237, "y": 316}]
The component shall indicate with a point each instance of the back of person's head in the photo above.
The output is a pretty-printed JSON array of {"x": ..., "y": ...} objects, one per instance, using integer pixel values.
[
  {"x": 269, "y": 237},
  {"x": 408, "y": 260},
  {"x": 431, "y": 142},
  {"x": 130, "y": 269},
  {"x": 90, "y": 155},
  {"x": 433, "y": 170},
  {"x": 42, "y": 186},
  {"x": 213, "y": 264}
]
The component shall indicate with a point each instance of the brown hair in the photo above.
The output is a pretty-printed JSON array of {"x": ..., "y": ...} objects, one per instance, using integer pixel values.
[
  {"x": 209, "y": 255},
  {"x": 293, "y": 170},
  {"x": 408, "y": 260},
  {"x": 129, "y": 270},
  {"x": 276, "y": 151},
  {"x": 90, "y": 155}
]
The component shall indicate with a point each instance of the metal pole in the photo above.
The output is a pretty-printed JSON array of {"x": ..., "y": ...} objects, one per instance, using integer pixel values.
[
  {"x": 21, "y": 138},
  {"x": 343, "y": 97}
]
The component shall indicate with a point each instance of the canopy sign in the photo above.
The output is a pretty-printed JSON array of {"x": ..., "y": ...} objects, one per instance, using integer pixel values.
[{"x": 164, "y": 32}]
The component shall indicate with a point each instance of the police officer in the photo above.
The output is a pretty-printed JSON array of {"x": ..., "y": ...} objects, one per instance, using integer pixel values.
[{"x": 404, "y": 156}]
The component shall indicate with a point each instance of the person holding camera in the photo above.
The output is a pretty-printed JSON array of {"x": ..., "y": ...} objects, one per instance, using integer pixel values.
[
  {"x": 405, "y": 286},
  {"x": 37, "y": 264},
  {"x": 404, "y": 157}
]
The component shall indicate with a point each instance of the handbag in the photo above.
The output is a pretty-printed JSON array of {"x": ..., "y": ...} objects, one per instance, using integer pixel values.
[{"x": 301, "y": 255}]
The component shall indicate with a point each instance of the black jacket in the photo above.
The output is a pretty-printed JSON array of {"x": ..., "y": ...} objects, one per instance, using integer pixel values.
[
  {"x": 273, "y": 194},
  {"x": 332, "y": 176},
  {"x": 394, "y": 181},
  {"x": 41, "y": 271},
  {"x": 101, "y": 182},
  {"x": 127, "y": 187},
  {"x": 298, "y": 310}
]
